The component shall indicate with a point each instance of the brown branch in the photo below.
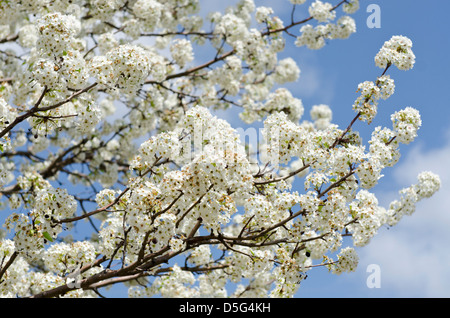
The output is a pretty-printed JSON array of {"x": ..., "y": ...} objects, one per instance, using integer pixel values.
[
  {"x": 47, "y": 172},
  {"x": 337, "y": 183},
  {"x": 195, "y": 228},
  {"x": 291, "y": 174},
  {"x": 106, "y": 207},
  {"x": 192, "y": 206},
  {"x": 183, "y": 33},
  {"x": 169, "y": 206},
  {"x": 194, "y": 69},
  {"x": 102, "y": 209},
  {"x": 8, "y": 264},
  {"x": 341, "y": 137},
  {"x": 68, "y": 99},
  {"x": 300, "y": 22},
  {"x": 36, "y": 108},
  {"x": 23, "y": 117},
  {"x": 6, "y": 79},
  {"x": 10, "y": 38}
]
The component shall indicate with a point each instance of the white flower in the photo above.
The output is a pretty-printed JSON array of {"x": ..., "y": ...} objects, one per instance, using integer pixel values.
[
  {"x": 344, "y": 27},
  {"x": 311, "y": 37},
  {"x": 282, "y": 100},
  {"x": 262, "y": 14},
  {"x": 351, "y": 6},
  {"x": 232, "y": 27},
  {"x": 149, "y": 11},
  {"x": 126, "y": 67},
  {"x": 181, "y": 50},
  {"x": 106, "y": 42},
  {"x": 164, "y": 145},
  {"x": 347, "y": 261},
  {"x": 386, "y": 85},
  {"x": 369, "y": 172},
  {"x": 28, "y": 35},
  {"x": 177, "y": 244},
  {"x": 287, "y": 70},
  {"x": 45, "y": 72},
  {"x": 200, "y": 255},
  {"x": 428, "y": 184},
  {"x": 366, "y": 104},
  {"x": 406, "y": 122},
  {"x": 56, "y": 33},
  {"x": 7, "y": 114},
  {"x": 322, "y": 115},
  {"x": 321, "y": 11},
  {"x": 397, "y": 51}
]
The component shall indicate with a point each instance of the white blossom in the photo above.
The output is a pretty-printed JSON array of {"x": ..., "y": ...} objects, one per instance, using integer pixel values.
[
  {"x": 181, "y": 51},
  {"x": 321, "y": 11},
  {"x": 397, "y": 51},
  {"x": 406, "y": 122},
  {"x": 114, "y": 115},
  {"x": 347, "y": 261}
]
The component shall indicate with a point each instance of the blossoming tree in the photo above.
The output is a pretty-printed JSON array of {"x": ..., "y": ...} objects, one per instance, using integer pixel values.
[{"x": 169, "y": 200}]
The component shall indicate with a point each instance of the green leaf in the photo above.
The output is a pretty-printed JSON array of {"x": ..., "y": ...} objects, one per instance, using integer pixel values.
[{"x": 48, "y": 237}]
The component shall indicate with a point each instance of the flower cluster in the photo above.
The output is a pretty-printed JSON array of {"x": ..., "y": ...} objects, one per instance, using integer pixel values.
[
  {"x": 321, "y": 11},
  {"x": 13, "y": 282},
  {"x": 7, "y": 114},
  {"x": 406, "y": 122},
  {"x": 347, "y": 261},
  {"x": 315, "y": 37},
  {"x": 105, "y": 9},
  {"x": 149, "y": 12},
  {"x": 232, "y": 28},
  {"x": 181, "y": 50},
  {"x": 298, "y": 1},
  {"x": 384, "y": 146},
  {"x": 287, "y": 70},
  {"x": 262, "y": 14},
  {"x": 321, "y": 115},
  {"x": 351, "y": 6},
  {"x": 56, "y": 33},
  {"x": 66, "y": 260},
  {"x": 366, "y": 104},
  {"x": 164, "y": 145},
  {"x": 397, "y": 51},
  {"x": 428, "y": 184},
  {"x": 126, "y": 67},
  {"x": 368, "y": 217},
  {"x": 281, "y": 100},
  {"x": 42, "y": 224},
  {"x": 162, "y": 179},
  {"x": 58, "y": 59}
]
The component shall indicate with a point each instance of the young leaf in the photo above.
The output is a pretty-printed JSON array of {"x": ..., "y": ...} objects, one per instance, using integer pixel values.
[{"x": 48, "y": 236}]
